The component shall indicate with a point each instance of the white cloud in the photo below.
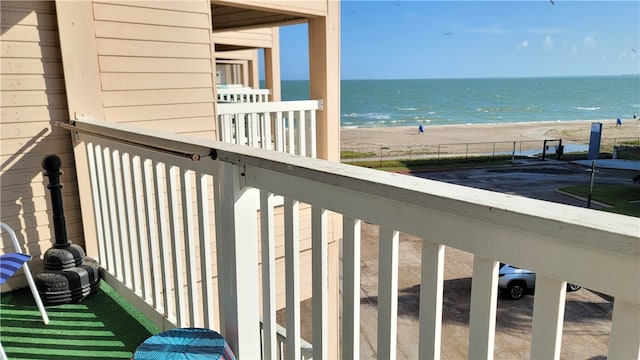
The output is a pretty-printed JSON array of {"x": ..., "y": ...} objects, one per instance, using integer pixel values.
[
  {"x": 574, "y": 48},
  {"x": 624, "y": 54},
  {"x": 523, "y": 45},
  {"x": 547, "y": 44},
  {"x": 589, "y": 41}
]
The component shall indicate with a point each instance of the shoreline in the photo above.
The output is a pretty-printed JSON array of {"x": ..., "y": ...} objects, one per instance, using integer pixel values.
[
  {"x": 483, "y": 124},
  {"x": 403, "y": 136}
]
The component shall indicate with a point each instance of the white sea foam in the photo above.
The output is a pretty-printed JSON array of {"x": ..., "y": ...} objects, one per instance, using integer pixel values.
[{"x": 595, "y": 108}]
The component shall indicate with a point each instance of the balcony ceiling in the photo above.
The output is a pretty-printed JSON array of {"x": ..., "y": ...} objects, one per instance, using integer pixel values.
[{"x": 226, "y": 18}]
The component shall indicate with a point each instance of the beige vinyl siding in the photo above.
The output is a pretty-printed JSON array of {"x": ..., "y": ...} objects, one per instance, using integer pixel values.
[
  {"x": 255, "y": 38},
  {"x": 155, "y": 64},
  {"x": 32, "y": 98}
]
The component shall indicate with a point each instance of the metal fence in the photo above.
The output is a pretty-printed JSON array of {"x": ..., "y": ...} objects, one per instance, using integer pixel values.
[{"x": 524, "y": 148}]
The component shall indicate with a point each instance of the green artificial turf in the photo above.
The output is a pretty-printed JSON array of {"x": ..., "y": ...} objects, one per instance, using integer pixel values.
[{"x": 102, "y": 326}]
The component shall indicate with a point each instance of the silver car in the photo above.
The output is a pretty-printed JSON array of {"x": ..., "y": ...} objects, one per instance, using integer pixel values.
[{"x": 514, "y": 282}]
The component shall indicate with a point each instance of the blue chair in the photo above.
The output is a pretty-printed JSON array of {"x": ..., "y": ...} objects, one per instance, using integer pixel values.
[{"x": 10, "y": 263}]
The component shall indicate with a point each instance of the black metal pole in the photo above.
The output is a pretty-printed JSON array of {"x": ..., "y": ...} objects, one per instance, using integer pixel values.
[
  {"x": 593, "y": 174},
  {"x": 52, "y": 164}
]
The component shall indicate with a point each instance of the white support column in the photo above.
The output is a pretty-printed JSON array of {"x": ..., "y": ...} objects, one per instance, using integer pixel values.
[
  {"x": 431, "y": 290},
  {"x": 351, "y": 287},
  {"x": 482, "y": 317},
  {"x": 624, "y": 341},
  {"x": 548, "y": 316},
  {"x": 387, "y": 293},
  {"x": 237, "y": 242},
  {"x": 324, "y": 78}
]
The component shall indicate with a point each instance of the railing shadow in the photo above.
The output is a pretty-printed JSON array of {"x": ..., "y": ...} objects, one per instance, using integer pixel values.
[{"x": 510, "y": 314}]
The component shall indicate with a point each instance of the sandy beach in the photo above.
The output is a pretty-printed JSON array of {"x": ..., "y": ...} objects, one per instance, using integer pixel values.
[{"x": 369, "y": 138}]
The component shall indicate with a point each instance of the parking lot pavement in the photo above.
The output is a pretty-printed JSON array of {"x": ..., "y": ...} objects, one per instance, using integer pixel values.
[{"x": 533, "y": 179}]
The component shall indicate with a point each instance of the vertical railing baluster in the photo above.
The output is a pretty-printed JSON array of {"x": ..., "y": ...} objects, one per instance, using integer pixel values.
[
  {"x": 141, "y": 285},
  {"x": 292, "y": 276},
  {"x": 431, "y": 290},
  {"x": 152, "y": 234},
  {"x": 265, "y": 131},
  {"x": 237, "y": 243},
  {"x": 121, "y": 241},
  {"x": 312, "y": 134},
  {"x": 279, "y": 132},
  {"x": 624, "y": 341},
  {"x": 175, "y": 237},
  {"x": 302, "y": 139},
  {"x": 228, "y": 129},
  {"x": 291, "y": 140},
  {"x": 205, "y": 239},
  {"x": 129, "y": 212},
  {"x": 188, "y": 227},
  {"x": 351, "y": 287},
  {"x": 163, "y": 241},
  {"x": 267, "y": 234},
  {"x": 95, "y": 170},
  {"x": 548, "y": 316},
  {"x": 319, "y": 282},
  {"x": 482, "y": 313},
  {"x": 111, "y": 227},
  {"x": 387, "y": 293},
  {"x": 241, "y": 122},
  {"x": 255, "y": 132}
]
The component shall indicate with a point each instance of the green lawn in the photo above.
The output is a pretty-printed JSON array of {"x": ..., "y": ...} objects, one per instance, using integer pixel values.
[
  {"x": 624, "y": 199},
  {"x": 407, "y": 165}
]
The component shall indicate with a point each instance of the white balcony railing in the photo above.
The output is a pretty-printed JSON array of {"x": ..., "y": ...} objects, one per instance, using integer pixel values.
[
  {"x": 157, "y": 196},
  {"x": 242, "y": 94},
  {"x": 285, "y": 126}
]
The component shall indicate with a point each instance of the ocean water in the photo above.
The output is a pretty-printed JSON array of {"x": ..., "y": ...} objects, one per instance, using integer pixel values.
[{"x": 382, "y": 103}]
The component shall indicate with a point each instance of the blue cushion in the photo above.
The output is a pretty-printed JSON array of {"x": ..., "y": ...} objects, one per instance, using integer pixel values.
[{"x": 185, "y": 343}]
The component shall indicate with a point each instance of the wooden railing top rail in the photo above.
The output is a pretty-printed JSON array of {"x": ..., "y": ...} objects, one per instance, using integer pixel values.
[
  {"x": 272, "y": 106},
  {"x": 243, "y": 90}
]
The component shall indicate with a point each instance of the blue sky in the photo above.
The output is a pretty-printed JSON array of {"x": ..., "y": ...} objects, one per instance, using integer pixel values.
[{"x": 463, "y": 39}]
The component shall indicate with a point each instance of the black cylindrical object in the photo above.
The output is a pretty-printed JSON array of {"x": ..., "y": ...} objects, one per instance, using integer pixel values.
[
  {"x": 69, "y": 276},
  {"x": 52, "y": 164}
]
